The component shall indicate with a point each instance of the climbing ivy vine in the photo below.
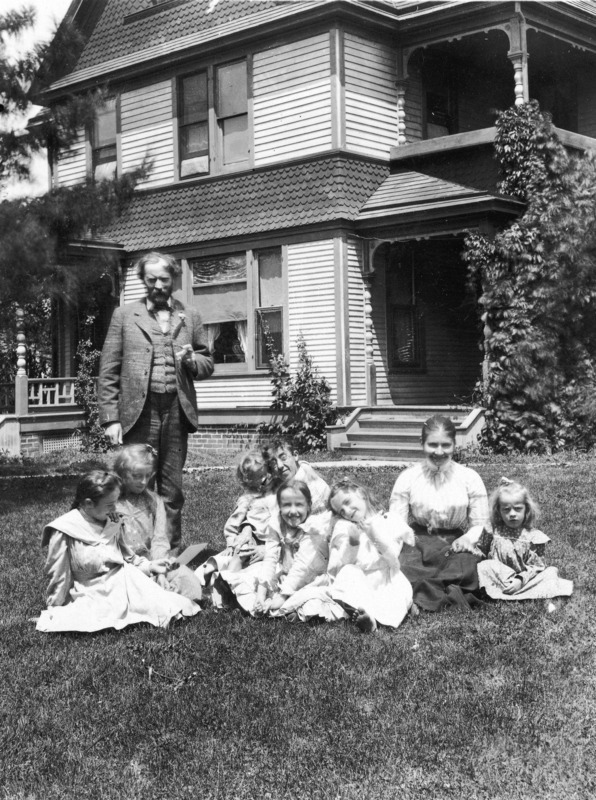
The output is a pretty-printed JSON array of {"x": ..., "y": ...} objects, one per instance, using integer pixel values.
[{"x": 536, "y": 283}]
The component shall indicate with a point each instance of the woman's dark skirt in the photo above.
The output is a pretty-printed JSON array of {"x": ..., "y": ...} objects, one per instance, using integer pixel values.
[{"x": 440, "y": 578}]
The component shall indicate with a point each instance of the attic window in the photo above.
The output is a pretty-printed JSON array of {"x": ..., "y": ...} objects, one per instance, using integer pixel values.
[{"x": 155, "y": 7}]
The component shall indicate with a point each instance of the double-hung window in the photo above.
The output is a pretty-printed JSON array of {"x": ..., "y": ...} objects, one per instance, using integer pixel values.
[
  {"x": 213, "y": 133},
  {"x": 194, "y": 125},
  {"x": 104, "y": 153},
  {"x": 240, "y": 299}
]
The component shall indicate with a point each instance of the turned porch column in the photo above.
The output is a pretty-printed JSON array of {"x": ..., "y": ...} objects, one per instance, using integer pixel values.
[
  {"x": 21, "y": 387},
  {"x": 518, "y": 55}
]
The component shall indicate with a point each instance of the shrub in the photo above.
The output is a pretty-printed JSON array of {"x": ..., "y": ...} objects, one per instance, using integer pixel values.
[
  {"x": 94, "y": 438},
  {"x": 304, "y": 400}
]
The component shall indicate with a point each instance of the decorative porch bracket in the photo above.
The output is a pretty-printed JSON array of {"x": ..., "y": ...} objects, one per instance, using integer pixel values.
[{"x": 21, "y": 389}]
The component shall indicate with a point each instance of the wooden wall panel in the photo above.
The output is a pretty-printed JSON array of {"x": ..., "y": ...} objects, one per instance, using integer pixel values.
[
  {"x": 292, "y": 100},
  {"x": 370, "y": 96},
  {"x": 148, "y": 130},
  {"x": 252, "y": 391},
  {"x": 71, "y": 167},
  {"x": 311, "y": 305}
]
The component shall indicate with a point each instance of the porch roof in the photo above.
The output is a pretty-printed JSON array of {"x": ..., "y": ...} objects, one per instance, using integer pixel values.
[
  {"x": 328, "y": 189},
  {"x": 411, "y": 194}
]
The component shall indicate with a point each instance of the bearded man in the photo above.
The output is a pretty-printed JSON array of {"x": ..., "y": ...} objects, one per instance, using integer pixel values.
[{"x": 154, "y": 350}]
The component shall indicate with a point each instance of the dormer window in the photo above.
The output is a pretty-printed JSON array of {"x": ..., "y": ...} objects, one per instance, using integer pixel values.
[{"x": 104, "y": 151}]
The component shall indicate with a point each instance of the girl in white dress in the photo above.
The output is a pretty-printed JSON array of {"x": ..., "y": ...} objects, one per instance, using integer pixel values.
[
  {"x": 143, "y": 514},
  {"x": 246, "y": 528},
  {"x": 514, "y": 549},
  {"x": 256, "y": 585},
  {"x": 363, "y": 579},
  {"x": 96, "y": 581}
]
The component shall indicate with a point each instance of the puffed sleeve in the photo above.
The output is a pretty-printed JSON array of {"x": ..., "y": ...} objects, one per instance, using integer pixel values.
[
  {"x": 58, "y": 570},
  {"x": 236, "y": 519},
  {"x": 399, "y": 502},
  {"x": 477, "y": 499},
  {"x": 388, "y": 535},
  {"x": 343, "y": 547},
  {"x": 538, "y": 542},
  {"x": 160, "y": 544},
  {"x": 485, "y": 541},
  {"x": 129, "y": 555}
]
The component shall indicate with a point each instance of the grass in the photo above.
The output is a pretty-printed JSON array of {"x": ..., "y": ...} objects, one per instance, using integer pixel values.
[{"x": 496, "y": 703}]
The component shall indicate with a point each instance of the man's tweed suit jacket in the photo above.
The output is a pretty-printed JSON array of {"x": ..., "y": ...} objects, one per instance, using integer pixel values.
[{"x": 125, "y": 364}]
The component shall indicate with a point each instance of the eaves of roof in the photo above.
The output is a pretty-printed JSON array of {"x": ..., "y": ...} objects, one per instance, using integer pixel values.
[
  {"x": 406, "y": 197},
  {"x": 315, "y": 192}
]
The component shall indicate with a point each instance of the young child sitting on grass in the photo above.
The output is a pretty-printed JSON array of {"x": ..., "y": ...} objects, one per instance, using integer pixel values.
[
  {"x": 246, "y": 527},
  {"x": 255, "y": 586},
  {"x": 515, "y": 568},
  {"x": 144, "y": 517},
  {"x": 95, "y": 579}
]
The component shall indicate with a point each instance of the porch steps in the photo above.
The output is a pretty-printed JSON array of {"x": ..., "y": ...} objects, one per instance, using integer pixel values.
[{"x": 392, "y": 433}]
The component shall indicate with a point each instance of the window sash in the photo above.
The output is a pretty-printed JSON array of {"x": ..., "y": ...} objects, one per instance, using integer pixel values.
[{"x": 268, "y": 320}]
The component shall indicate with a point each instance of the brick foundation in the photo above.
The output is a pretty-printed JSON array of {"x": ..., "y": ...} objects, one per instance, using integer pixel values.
[
  {"x": 223, "y": 439},
  {"x": 31, "y": 444}
]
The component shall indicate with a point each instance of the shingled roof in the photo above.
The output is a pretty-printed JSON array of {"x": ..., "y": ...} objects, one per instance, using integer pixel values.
[
  {"x": 121, "y": 29},
  {"x": 329, "y": 189}
]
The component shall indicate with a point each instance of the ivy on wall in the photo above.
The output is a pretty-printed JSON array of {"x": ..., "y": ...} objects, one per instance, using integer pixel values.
[{"x": 536, "y": 283}]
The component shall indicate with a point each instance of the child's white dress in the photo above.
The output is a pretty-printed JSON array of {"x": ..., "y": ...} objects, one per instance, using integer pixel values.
[
  {"x": 281, "y": 546},
  {"x": 363, "y": 572},
  {"x": 518, "y": 554},
  {"x": 145, "y": 532},
  {"x": 97, "y": 582}
]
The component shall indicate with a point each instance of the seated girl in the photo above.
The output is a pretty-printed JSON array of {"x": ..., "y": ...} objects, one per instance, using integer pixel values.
[
  {"x": 515, "y": 568},
  {"x": 255, "y": 586},
  {"x": 363, "y": 580},
  {"x": 282, "y": 455},
  {"x": 246, "y": 527},
  {"x": 144, "y": 517},
  {"x": 96, "y": 581}
]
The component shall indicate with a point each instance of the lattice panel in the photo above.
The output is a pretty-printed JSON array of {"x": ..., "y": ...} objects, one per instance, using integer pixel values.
[{"x": 69, "y": 441}]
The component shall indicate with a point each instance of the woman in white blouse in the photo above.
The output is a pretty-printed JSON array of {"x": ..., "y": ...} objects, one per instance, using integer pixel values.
[{"x": 446, "y": 506}]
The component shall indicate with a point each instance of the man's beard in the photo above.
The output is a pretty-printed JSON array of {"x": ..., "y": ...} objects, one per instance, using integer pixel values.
[{"x": 159, "y": 298}]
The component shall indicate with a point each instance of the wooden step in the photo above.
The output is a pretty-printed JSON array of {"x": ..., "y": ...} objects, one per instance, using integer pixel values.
[
  {"x": 388, "y": 437},
  {"x": 380, "y": 451}
]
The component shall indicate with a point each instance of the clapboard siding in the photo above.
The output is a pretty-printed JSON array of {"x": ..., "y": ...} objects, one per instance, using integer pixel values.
[
  {"x": 413, "y": 107},
  {"x": 370, "y": 96},
  {"x": 356, "y": 328},
  {"x": 71, "y": 167},
  {"x": 234, "y": 392},
  {"x": 311, "y": 305},
  {"x": 292, "y": 100},
  {"x": 586, "y": 106},
  {"x": 147, "y": 131},
  {"x": 134, "y": 288}
]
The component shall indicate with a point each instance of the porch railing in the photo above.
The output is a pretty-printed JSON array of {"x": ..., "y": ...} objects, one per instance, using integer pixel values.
[{"x": 51, "y": 392}]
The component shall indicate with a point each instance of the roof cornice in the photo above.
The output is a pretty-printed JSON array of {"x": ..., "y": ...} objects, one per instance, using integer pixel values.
[{"x": 241, "y": 32}]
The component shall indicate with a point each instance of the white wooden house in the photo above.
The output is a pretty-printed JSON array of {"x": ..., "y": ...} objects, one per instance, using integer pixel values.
[{"x": 314, "y": 165}]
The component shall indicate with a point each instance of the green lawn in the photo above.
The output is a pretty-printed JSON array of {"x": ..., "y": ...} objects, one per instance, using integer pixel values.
[{"x": 496, "y": 703}]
